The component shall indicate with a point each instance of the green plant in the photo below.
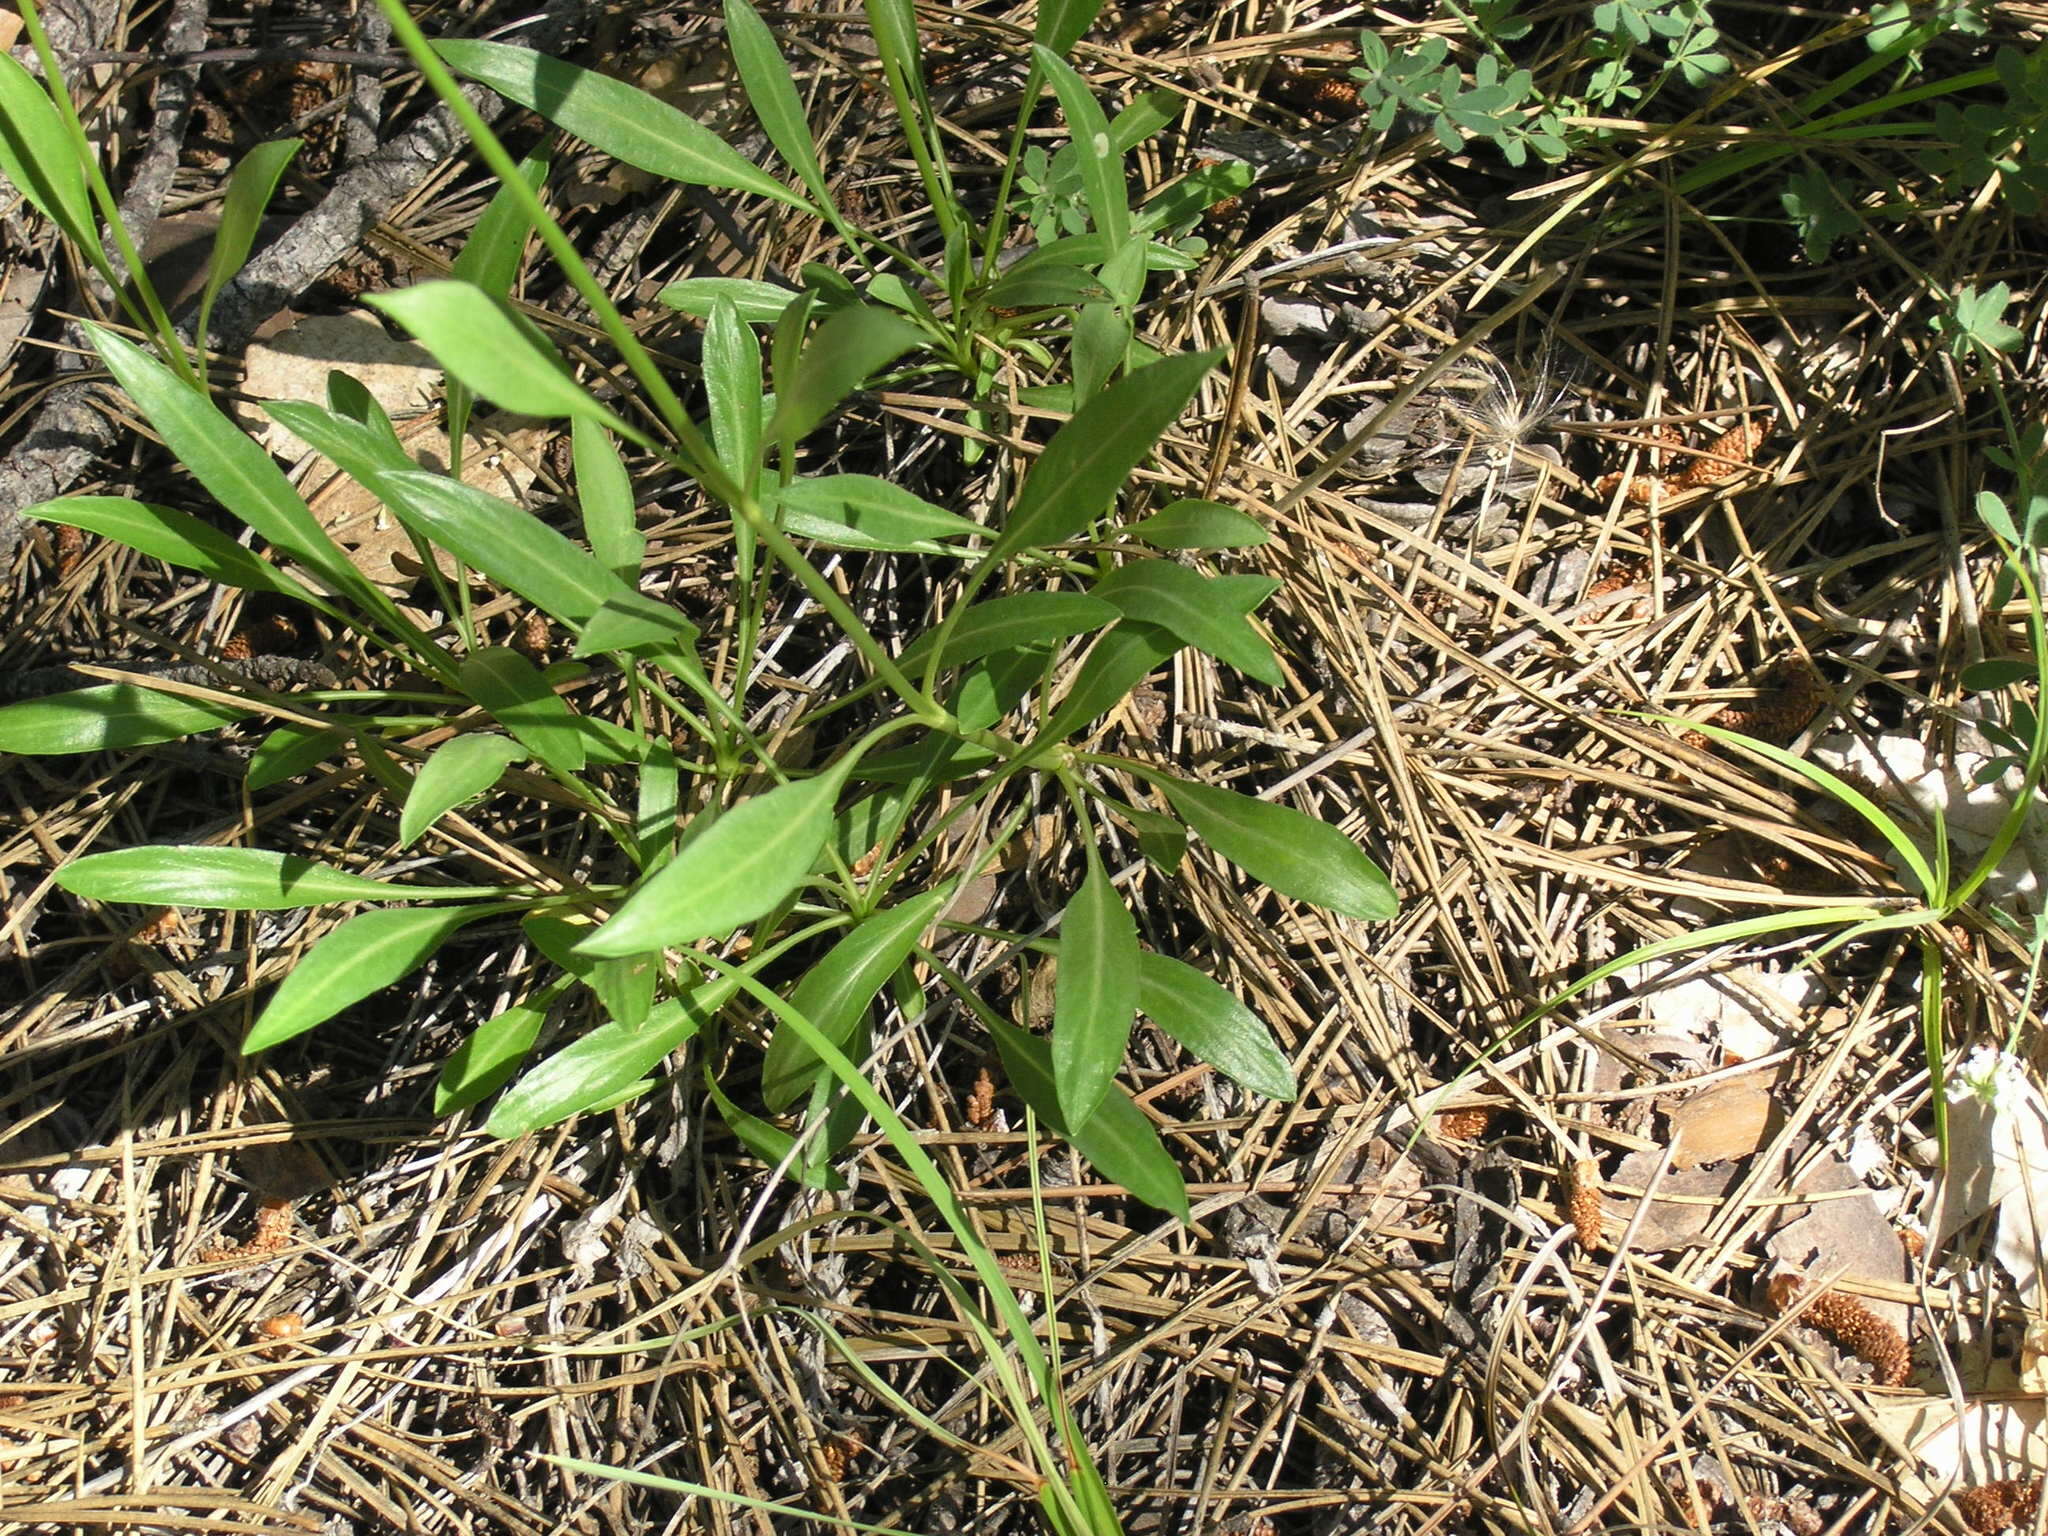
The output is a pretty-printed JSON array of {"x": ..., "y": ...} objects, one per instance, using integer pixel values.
[
  {"x": 1972, "y": 327},
  {"x": 833, "y": 873}
]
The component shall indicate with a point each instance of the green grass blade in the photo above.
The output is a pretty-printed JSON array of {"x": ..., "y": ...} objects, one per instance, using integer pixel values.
[{"x": 1931, "y": 886}]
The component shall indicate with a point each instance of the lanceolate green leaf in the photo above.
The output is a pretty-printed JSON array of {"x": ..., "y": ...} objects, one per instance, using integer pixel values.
[
  {"x": 466, "y": 766},
  {"x": 37, "y": 156},
  {"x": 1095, "y": 994},
  {"x": 758, "y": 303},
  {"x": 834, "y": 992},
  {"x": 1061, "y": 22},
  {"x": 740, "y": 868},
  {"x": 1118, "y": 1141},
  {"x": 1100, "y": 162},
  {"x": 481, "y": 1065},
  {"x": 765, "y": 75},
  {"x": 620, "y": 119},
  {"x": 520, "y": 699},
  {"x": 236, "y": 879},
  {"x": 1089, "y": 458},
  {"x": 493, "y": 349},
  {"x": 838, "y": 357},
  {"x": 1132, "y": 651},
  {"x": 232, "y": 465},
  {"x": 867, "y": 512},
  {"x": 604, "y": 491},
  {"x": 1213, "y": 1024},
  {"x": 516, "y": 550},
  {"x": 241, "y": 216},
  {"x": 607, "y": 1061},
  {"x": 1200, "y": 525},
  {"x": 732, "y": 391},
  {"x": 364, "y": 955},
  {"x": 1296, "y": 855},
  {"x": 1004, "y": 623},
  {"x": 1183, "y": 602},
  {"x": 291, "y": 750},
  {"x": 177, "y": 538},
  {"x": 105, "y": 718}
]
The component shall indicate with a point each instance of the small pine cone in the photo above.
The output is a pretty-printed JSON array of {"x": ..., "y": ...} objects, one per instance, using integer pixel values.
[
  {"x": 981, "y": 1101},
  {"x": 1464, "y": 1124},
  {"x": 1335, "y": 96},
  {"x": 239, "y": 647},
  {"x": 1582, "y": 1202},
  {"x": 532, "y": 639},
  {"x": 1994, "y": 1506},
  {"x": 70, "y": 548},
  {"x": 1851, "y": 1325}
]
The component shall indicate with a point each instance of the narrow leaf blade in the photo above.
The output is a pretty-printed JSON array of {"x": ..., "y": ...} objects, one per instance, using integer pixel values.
[
  {"x": 739, "y": 869},
  {"x": 107, "y": 718},
  {"x": 235, "y": 879},
  {"x": 1213, "y": 1024},
  {"x": 459, "y": 769},
  {"x": 362, "y": 956},
  {"x": 1095, "y": 995},
  {"x": 1296, "y": 855}
]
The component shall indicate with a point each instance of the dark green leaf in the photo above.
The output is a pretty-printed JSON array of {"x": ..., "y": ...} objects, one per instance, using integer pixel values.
[
  {"x": 1118, "y": 1141},
  {"x": 739, "y": 869},
  {"x": 105, "y": 718},
  {"x": 1200, "y": 525},
  {"x": 1044, "y": 287},
  {"x": 1062, "y": 22},
  {"x": 622, "y": 120},
  {"x": 1999, "y": 672},
  {"x": 364, "y": 955},
  {"x": 847, "y": 349},
  {"x": 289, "y": 751},
  {"x": 1296, "y": 855},
  {"x": 510, "y": 687},
  {"x": 1005, "y": 623},
  {"x": 1095, "y": 994},
  {"x": 483, "y": 1063},
  {"x": 837, "y": 990},
  {"x": 1183, "y": 602},
  {"x": 1089, "y": 458},
  {"x": 1213, "y": 1024},
  {"x": 991, "y": 687},
  {"x": 254, "y": 178}
]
